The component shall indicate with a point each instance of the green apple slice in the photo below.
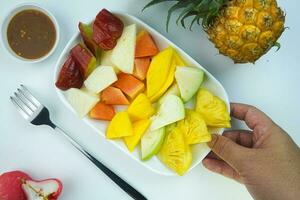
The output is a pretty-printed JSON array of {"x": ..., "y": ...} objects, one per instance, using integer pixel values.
[
  {"x": 86, "y": 32},
  {"x": 85, "y": 60},
  {"x": 172, "y": 90},
  {"x": 100, "y": 78},
  {"x": 81, "y": 101},
  {"x": 171, "y": 110},
  {"x": 123, "y": 53},
  {"x": 151, "y": 143},
  {"x": 106, "y": 58},
  {"x": 189, "y": 80}
]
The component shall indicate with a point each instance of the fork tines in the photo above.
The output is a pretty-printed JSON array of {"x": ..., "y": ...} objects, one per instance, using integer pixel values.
[{"x": 25, "y": 103}]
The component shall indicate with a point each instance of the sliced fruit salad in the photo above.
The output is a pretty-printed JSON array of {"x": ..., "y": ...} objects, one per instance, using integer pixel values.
[{"x": 119, "y": 65}]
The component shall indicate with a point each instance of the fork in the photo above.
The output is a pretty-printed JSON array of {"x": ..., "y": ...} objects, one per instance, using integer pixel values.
[{"x": 36, "y": 113}]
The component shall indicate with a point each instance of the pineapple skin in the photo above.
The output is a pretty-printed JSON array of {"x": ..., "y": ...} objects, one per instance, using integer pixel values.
[{"x": 245, "y": 30}]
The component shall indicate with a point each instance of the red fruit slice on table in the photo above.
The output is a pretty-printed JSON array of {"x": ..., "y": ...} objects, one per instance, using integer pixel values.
[
  {"x": 84, "y": 59},
  {"x": 145, "y": 45},
  {"x": 17, "y": 185},
  {"x": 130, "y": 85},
  {"x": 48, "y": 189},
  {"x": 101, "y": 111},
  {"x": 113, "y": 96},
  {"x": 107, "y": 28},
  {"x": 69, "y": 76},
  {"x": 11, "y": 185},
  {"x": 86, "y": 32},
  {"x": 141, "y": 66}
]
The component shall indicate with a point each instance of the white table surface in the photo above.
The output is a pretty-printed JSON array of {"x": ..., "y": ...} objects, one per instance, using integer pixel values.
[{"x": 272, "y": 84}]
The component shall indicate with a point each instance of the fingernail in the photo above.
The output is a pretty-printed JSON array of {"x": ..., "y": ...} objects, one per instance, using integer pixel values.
[{"x": 213, "y": 141}]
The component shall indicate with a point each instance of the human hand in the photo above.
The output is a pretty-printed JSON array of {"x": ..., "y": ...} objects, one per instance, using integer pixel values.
[{"x": 265, "y": 159}]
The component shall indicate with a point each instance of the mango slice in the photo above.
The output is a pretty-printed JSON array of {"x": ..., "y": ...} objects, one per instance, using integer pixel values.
[
  {"x": 194, "y": 128},
  {"x": 161, "y": 72},
  {"x": 139, "y": 128},
  {"x": 140, "y": 108},
  {"x": 167, "y": 84},
  {"x": 120, "y": 126},
  {"x": 213, "y": 109},
  {"x": 175, "y": 153},
  {"x": 179, "y": 60},
  {"x": 158, "y": 71}
]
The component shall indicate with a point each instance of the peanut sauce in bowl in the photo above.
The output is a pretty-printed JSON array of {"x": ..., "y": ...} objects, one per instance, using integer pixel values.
[{"x": 30, "y": 33}]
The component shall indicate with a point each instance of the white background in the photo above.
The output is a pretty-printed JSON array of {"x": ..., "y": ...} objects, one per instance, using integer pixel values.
[{"x": 272, "y": 84}]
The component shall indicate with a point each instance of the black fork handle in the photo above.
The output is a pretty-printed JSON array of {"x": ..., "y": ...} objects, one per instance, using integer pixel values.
[{"x": 114, "y": 177}]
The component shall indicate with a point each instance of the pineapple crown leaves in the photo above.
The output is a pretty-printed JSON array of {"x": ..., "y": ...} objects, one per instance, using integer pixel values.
[{"x": 205, "y": 10}]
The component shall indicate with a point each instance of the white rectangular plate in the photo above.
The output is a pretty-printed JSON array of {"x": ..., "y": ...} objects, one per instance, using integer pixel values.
[{"x": 199, "y": 150}]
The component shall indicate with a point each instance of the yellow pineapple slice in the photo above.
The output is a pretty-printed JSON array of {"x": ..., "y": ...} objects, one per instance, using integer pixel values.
[
  {"x": 175, "y": 153},
  {"x": 194, "y": 128},
  {"x": 213, "y": 109}
]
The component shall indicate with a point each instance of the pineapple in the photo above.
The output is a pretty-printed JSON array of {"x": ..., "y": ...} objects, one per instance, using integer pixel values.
[{"x": 244, "y": 30}]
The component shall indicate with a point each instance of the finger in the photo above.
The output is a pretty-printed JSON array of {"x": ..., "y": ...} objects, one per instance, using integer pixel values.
[
  {"x": 251, "y": 115},
  {"x": 241, "y": 137},
  {"x": 212, "y": 155},
  {"x": 222, "y": 168},
  {"x": 229, "y": 151}
]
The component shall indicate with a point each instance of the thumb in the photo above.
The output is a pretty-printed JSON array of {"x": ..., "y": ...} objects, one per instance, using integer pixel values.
[{"x": 229, "y": 151}]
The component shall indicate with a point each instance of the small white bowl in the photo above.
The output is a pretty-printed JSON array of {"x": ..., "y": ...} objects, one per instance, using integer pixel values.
[{"x": 11, "y": 14}]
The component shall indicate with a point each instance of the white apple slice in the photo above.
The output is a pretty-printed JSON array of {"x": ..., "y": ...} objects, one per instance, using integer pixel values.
[
  {"x": 123, "y": 53},
  {"x": 84, "y": 89},
  {"x": 41, "y": 190},
  {"x": 171, "y": 110},
  {"x": 189, "y": 80},
  {"x": 151, "y": 143},
  {"x": 172, "y": 90},
  {"x": 100, "y": 78},
  {"x": 81, "y": 101},
  {"x": 106, "y": 60}
]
